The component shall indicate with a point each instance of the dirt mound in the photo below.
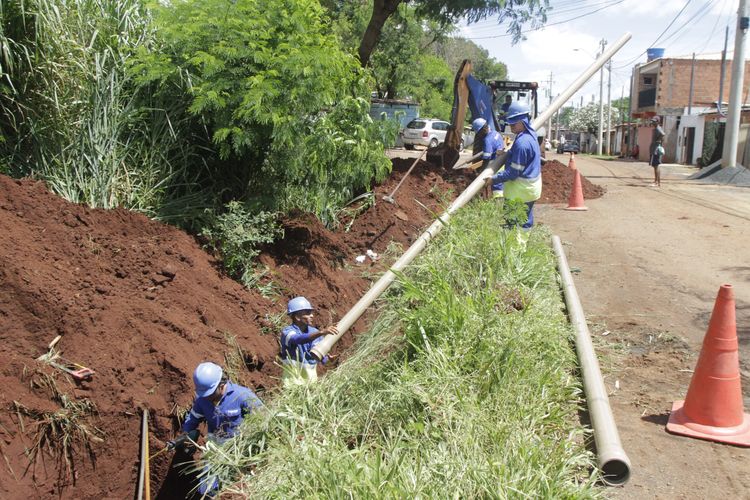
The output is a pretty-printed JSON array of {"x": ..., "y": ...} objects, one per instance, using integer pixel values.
[
  {"x": 142, "y": 303},
  {"x": 557, "y": 183},
  {"x": 426, "y": 193}
]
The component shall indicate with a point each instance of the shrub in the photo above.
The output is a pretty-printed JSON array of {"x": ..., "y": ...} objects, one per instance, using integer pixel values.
[{"x": 237, "y": 234}]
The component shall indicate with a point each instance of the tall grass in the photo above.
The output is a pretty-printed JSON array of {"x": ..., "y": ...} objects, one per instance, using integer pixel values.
[
  {"x": 72, "y": 115},
  {"x": 452, "y": 394}
]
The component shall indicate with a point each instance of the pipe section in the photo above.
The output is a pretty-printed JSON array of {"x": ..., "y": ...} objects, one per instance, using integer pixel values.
[
  {"x": 416, "y": 248},
  {"x": 143, "y": 491},
  {"x": 611, "y": 458}
]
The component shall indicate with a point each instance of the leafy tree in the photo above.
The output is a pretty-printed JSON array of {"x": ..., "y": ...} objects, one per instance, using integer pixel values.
[
  {"x": 484, "y": 67},
  {"x": 586, "y": 119},
  {"x": 445, "y": 12},
  {"x": 286, "y": 107}
]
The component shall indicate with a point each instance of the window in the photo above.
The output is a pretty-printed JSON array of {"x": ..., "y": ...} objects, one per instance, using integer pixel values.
[{"x": 648, "y": 80}]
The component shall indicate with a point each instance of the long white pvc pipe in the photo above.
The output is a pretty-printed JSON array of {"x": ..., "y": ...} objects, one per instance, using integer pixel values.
[
  {"x": 612, "y": 460},
  {"x": 416, "y": 248}
]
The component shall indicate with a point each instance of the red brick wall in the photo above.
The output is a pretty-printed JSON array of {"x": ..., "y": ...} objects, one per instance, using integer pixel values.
[{"x": 673, "y": 88}]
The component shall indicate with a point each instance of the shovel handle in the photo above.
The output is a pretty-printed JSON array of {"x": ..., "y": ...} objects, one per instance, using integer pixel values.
[{"x": 407, "y": 174}]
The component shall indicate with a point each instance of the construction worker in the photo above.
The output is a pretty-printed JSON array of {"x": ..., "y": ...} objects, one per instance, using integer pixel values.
[
  {"x": 222, "y": 405},
  {"x": 492, "y": 142},
  {"x": 300, "y": 366},
  {"x": 522, "y": 176},
  {"x": 504, "y": 111}
]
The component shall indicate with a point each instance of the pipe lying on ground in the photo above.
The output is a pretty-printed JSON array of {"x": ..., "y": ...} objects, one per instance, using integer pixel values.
[
  {"x": 144, "y": 491},
  {"x": 320, "y": 350},
  {"x": 613, "y": 462}
]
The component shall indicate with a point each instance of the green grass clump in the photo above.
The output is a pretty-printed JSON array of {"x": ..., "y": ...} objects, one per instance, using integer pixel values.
[{"x": 452, "y": 394}]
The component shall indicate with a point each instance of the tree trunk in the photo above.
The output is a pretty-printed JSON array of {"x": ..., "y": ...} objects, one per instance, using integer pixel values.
[{"x": 381, "y": 11}]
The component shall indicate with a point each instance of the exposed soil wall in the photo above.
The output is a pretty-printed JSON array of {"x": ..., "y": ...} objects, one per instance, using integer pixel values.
[{"x": 142, "y": 303}]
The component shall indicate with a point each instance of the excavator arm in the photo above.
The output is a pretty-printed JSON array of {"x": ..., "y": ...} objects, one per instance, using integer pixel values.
[{"x": 446, "y": 154}]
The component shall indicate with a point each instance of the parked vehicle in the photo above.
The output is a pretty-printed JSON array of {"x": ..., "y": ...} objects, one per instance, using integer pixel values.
[
  {"x": 430, "y": 132},
  {"x": 425, "y": 132},
  {"x": 569, "y": 147}
]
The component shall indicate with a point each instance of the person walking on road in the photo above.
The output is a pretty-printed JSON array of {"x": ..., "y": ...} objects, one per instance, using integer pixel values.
[
  {"x": 522, "y": 176},
  {"x": 222, "y": 405},
  {"x": 297, "y": 339},
  {"x": 656, "y": 150}
]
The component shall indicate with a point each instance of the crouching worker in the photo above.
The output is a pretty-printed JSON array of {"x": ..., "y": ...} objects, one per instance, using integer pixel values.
[
  {"x": 297, "y": 339},
  {"x": 222, "y": 405}
]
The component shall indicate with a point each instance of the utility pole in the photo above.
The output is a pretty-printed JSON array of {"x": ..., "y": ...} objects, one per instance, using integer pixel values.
[
  {"x": 609, "y": 105},
  {"x": 549, "y": 122},
  {"x": 723, "y": 70},
  {"x": 690, "y": 92},
  {"x": 622, "y": 119},
  {"x": 603, "y": 42},
  {"x": 731, "y": 136}
]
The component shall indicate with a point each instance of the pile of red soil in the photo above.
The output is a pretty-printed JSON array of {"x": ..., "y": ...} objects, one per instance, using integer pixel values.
[
  {"x": 142, "y": 304},
  {"x": 557, "y": 183}
]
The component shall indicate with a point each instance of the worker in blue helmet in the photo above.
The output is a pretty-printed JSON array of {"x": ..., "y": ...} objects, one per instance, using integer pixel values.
[
  {"x": 297, "y": 339},
  {"x": 492, "y": 143},
  {"x": 522, "y": 176},
  {"x": 222, "y": 405}
]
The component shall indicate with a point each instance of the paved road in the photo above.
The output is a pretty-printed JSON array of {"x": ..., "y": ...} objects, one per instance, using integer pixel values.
[{"x": 650, "y": 263}]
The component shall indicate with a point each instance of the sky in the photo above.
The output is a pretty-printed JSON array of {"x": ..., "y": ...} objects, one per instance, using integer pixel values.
[{"x": 679, "y": 27}]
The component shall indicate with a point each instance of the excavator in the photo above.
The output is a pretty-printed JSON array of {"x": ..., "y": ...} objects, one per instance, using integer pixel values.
[{"x": 480, "y": 98}]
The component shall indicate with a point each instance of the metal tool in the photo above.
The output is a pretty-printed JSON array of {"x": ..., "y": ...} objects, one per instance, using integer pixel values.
[
  {"x": 75, "y": 370},
  {"x": 389, "y": 198}
]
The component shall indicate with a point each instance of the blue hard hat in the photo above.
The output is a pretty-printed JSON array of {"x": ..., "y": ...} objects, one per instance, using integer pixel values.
[
  {"x": 298, "y": 304},
  {"x": 516, "y": 112},
  {"x": 478, "y": 124},
  {"x": 206, "y": 378}
]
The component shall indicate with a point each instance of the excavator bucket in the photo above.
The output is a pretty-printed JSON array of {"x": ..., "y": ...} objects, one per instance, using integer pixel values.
[{"x": 445, "y": 155}]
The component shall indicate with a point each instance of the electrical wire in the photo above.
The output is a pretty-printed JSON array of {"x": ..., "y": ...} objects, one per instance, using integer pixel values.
[
  {"x": 632, "y": 60},
  {"x": 491, "y": 25},
  {"x": 611, "y": 4}
]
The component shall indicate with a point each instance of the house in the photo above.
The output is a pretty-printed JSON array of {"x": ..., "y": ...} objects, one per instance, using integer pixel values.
[{"x": 661, "y": 87}]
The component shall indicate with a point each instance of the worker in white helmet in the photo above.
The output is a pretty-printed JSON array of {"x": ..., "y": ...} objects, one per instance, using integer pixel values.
[{"x": 297, "y": 339}]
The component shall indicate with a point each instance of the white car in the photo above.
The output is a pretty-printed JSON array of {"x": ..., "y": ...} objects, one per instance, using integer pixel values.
[{"x": 427, "y": 132}]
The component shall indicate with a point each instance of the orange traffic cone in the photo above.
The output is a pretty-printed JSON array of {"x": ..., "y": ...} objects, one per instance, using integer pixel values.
[
  {"x": 572, "y": 161},
  {"x": 575, "y": 201},
  {"x": 713, "y": 407}
]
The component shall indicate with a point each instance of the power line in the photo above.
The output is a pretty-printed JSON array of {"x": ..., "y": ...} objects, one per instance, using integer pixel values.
[
  {"x": 489, "y": 26},
  {"x": 634, "y": 59},
  {"x": 611, "y": 4}
]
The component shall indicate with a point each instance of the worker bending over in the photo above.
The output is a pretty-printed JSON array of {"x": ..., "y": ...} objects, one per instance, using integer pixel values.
[
  {"x": 522, "y": 176},
  {"x": 222, "y": 405},
  {"x": 297, "y": 339},
  {"x": 492, "y": 142}
]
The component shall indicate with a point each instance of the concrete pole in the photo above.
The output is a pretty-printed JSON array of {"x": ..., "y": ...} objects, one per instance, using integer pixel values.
[
  {"x": 609, "y": 106},
  {"x": 692, "y": 80},
  {"x": 601, "y": 104},
  {"x": 731, "y": 136},
  {"x": 719, "y": 106}
]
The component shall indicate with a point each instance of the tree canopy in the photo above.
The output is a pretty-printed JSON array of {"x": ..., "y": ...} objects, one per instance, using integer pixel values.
[{"x": 517, "y": 13}]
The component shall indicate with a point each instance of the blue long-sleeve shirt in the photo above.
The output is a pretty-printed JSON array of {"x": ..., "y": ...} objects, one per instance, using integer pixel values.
[
  {"x": 296, "y": 345},
  {"x": 522, "y": 175},
  {"x": 493, "y": 142},
  {"x": 224, "y": 418}
]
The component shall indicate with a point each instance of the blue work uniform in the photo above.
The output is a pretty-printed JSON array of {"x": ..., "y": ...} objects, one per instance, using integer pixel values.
[
  {"x": 523, "y": 171},
  {"x": 493, "y": 143},
  {"x": 222, "y": 420},
  {"x": 295, "y": 353}
]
